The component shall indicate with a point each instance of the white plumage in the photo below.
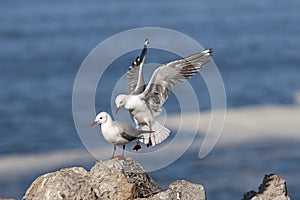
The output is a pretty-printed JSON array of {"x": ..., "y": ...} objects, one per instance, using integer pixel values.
[
  {"x": 145, "y": 103},
  {"x": 118, "y": 133}
]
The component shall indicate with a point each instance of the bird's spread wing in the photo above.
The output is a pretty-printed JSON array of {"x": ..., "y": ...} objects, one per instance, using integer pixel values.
[
  {"x": 136, "y": 84},
  {"x": 166, "y": 76}
]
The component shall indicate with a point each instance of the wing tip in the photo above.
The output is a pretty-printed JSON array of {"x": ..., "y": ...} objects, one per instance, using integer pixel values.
[
  {"x": 208, "y": 51},
  {"x": 146, "y": 43}
]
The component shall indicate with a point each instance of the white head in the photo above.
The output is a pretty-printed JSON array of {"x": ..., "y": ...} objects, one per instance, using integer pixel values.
[
  {"x": 120, "y": 101},
  {"x": 101, "y": 118}
]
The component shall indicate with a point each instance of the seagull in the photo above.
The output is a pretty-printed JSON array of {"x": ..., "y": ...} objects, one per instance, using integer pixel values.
[
  {"x": 117, "y": 133},
  {"x": 136, "y": 85},
  {"x": 144, "y": 106}
]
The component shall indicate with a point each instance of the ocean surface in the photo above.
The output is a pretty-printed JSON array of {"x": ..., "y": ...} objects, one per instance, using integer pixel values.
[{"x": 43, "y": 43}]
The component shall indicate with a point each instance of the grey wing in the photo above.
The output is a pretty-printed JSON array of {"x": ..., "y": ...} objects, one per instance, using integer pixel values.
[
  {"x": 128, "y": 131},
  {"x": 136, "y": 83},
  {"x": 166, "y": 76}
]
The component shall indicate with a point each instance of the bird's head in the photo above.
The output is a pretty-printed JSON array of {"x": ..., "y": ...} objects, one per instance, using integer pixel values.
[
  {"x": 120, "y": 101},
  {"x": 100, "y": 118}
]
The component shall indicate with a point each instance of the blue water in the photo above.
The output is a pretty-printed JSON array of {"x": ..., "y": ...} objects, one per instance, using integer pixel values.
[{"x": 42, "y": 44}]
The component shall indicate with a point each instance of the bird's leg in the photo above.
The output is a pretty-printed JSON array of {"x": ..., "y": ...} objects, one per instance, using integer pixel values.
[
  {"x": 137, "y": 145},
  {"x": 121, "y": 157},
  {"x": 149, "y": 140},
  {"x": 123, "y": 152},
  {"x": 113, "y": 156}
]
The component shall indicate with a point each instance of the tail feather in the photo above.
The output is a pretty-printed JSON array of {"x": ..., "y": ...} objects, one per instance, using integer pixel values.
[{"x": 160, "y": 134}]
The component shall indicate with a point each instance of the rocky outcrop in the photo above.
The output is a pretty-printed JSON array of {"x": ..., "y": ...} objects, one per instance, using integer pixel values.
[
  {"x": 111, "y": 179},
  {"x": 126, "y": 179},
  {"x": 273, "y": 187}
]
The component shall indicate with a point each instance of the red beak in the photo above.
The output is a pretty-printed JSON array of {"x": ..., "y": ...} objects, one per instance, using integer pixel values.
[
  {"x": 117, "y": 109},
  {"x": 93, "y": 123}
]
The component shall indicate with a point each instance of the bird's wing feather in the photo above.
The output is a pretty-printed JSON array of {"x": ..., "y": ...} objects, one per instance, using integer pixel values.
[
  {"x": 127, "y": 131},
  {"x": 128, "y": 137},
  {"x": 166, "y": 76},
  {"x": 136, "y": 84}
]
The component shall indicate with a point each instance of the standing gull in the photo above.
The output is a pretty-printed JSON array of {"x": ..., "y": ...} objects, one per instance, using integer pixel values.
[
  {"x": 145, "y": 105},
  {"x": 117, "y": 133}
]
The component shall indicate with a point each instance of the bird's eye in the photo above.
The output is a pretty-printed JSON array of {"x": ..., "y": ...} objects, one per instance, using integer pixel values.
[{"x": 100, "y": 117}]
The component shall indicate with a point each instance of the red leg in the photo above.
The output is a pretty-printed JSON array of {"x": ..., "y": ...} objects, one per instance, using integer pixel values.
[
  {"x": 123, "y": 152},
  {"x": 113, "y": 156},
  {"x": 149, "y": 140},
  {"x": 137, "y": 145},
  {"x": 121, "y": 157}
]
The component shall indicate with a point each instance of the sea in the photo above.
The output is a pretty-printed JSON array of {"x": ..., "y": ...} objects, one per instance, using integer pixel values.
[{"x": 43, "y": 44}]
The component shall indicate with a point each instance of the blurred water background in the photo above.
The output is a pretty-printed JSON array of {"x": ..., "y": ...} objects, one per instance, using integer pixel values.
[{"x": 43, "y": 43}]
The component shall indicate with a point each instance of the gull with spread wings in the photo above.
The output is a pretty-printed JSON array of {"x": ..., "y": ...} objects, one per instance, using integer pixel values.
[{"x": 144, "y": 103}]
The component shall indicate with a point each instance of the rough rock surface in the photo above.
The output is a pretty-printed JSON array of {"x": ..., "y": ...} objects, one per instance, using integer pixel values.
[
  {"x": 122, "y": 179},
  {"x": 126, "y": 179},
  {"x": 69, "y": 183},
  {"x": 273, "y": 187},
  {"x": 182, "y": 190},
  {"x": 111, "y": 179}
]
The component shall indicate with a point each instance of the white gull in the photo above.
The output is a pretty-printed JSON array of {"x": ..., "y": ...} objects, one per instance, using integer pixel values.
[
  {"x": 118, "y": 133},
  {"x": 144, "y": 106}
]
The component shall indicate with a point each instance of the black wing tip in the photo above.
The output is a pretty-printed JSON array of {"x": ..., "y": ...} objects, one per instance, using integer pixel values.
[
  {"x": 210, "y": 51},
  {"x": 146, "y": 43},
  {"x": 135, "y": 63},
  {"x": 138, "y": 59}
]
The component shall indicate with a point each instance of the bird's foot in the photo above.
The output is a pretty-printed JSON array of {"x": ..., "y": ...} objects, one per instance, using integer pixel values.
[
  {"x": 137, "y": 147},
  {"x": 149, "y": 142},
  {"x": 120, "y": 157}
]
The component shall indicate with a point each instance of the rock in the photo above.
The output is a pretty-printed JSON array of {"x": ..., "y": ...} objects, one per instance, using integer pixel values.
[
  {"x": 6, "y": 199},
  {"x": 69, "y": 183},
  {"x": 273, "y": 187},
  {"x": 111, "y": 179},
  {"x": 122, "y": 179},
  {"x": 182, "y": 190}
]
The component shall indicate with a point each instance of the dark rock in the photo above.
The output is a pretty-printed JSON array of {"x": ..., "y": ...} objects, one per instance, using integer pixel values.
[{"x": 145, "y": 185}]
